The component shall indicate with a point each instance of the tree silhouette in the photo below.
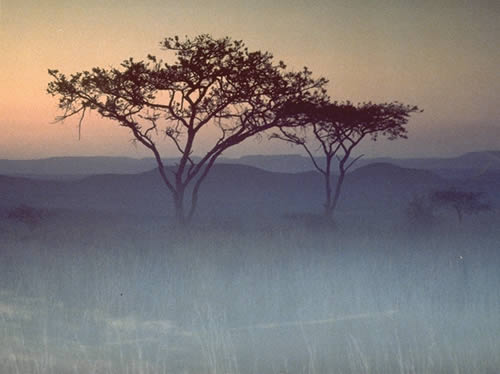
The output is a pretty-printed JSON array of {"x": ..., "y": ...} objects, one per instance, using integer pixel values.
[
  {"x": 336, "y": 129},
  {"x": 27, "y": 215},
  {"x": 420, "y": 212},
  {"x": 214, "y": 84},
  {"x": 462, "y": 202}
]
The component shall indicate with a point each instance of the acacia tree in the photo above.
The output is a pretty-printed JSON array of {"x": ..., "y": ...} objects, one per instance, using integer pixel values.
[
  {"x": 462, "y": 202},
  {"x": 336, "y": 129},
  {"x": 213, "y": 84}
]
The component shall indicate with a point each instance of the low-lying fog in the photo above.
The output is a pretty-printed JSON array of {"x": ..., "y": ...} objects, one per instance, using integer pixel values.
[{"x": 108, "y": 294}]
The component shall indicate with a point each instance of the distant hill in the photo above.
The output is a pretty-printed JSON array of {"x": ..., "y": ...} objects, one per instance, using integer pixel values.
[
  {"x": 75, "y": 166},
  {"x": 392, "y": 186},
  {"x": 386, "y": 173},
  {"x": 239, "y": 192},
  {"x": 467, "y": 165},
  {"x": 291, "y": 163},
  {"x": 232, "y": 190}
]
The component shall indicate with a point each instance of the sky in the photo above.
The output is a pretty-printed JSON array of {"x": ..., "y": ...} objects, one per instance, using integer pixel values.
[{"x": 443, "y": 56}]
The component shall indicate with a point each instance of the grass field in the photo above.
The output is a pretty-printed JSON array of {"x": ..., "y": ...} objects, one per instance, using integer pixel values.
[{"x": 112, "y": 295}]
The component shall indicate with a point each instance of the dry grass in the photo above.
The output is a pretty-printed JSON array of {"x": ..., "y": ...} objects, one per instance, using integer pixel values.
[{"x": 117, "y": 296}]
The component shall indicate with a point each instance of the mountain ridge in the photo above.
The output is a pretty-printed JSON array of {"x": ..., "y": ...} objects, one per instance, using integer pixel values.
[
  {"x": 235, "y": 190},
  {"x": 75, "y": 166}
]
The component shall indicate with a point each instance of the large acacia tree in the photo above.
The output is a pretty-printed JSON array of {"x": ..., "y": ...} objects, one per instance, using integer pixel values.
[
  {"x": 336, "y": 129},
  {"x": 212, "y": 84}
]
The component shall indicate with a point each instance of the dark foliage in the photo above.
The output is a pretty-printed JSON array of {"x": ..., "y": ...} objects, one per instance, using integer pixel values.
[
  {"x": 336, "y": 129},
  {"x": 26, "y": 215},
  {"x": 213, "y": 83},
  {"x": 462, "y": 202}
]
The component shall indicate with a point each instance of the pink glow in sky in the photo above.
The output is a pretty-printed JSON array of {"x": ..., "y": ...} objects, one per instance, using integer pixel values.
[{"x": 442, "y": 56}]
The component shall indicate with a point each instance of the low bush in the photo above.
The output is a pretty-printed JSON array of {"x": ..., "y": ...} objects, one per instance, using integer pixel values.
[{"x": 26, "y": 215}]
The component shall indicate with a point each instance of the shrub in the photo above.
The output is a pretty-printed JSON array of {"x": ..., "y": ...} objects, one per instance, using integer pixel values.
[
  {"x": 420, "y": 212},
  {"x": 25, "y": 214}
]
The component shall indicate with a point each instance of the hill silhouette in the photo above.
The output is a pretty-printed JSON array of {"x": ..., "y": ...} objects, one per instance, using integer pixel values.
[
  {"x": 381, "y": 172},
  {"x": 230, "y": 190},
  {"x": 466, "y": 165}
]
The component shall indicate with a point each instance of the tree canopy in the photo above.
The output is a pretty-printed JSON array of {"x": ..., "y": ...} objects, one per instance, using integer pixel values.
[
  {"x": 337, "y": 128},
  {"x": 462, "y": 202},
  {"x": 212, "y": 83}
]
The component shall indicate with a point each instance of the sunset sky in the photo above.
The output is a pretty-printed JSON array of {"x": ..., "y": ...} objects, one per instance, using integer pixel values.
[{"x": 443, "y": 56}]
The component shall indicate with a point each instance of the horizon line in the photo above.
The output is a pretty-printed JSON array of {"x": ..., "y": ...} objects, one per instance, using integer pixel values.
[{"x": 243, "y": 156}]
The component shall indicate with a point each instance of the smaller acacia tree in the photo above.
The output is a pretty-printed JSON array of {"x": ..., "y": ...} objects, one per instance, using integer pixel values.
[
  {"x": 462, "y": 202},
  {"x": 214, "y": 86},
  {"x": 336, "y": 129}
]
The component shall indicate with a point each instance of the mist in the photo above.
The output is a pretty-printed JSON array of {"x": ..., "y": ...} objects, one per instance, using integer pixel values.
[{"x": 257, "y": 284}]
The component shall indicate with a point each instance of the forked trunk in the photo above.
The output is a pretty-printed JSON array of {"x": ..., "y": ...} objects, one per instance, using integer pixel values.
[
  {"x": 336, "y": 196},
  {"x": 180, "y": 216},
  {"x": 328, "y": 191}
]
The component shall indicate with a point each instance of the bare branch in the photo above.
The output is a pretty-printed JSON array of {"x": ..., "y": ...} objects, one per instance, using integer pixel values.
[
  {"x": 336, "y": 127},
  {"x": 352, "y": 162},
  {"x": 212, "y": 82}
]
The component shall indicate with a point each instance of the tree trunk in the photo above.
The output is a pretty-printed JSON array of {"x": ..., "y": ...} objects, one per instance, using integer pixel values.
[
  {"x": 338, "y": 189},
  {"x": 459, "y": 214},
  {"x": 328, "y": 190},
  {"x": 340, "y": 181},
  {"x": 180, "y": 217}
]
